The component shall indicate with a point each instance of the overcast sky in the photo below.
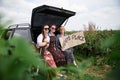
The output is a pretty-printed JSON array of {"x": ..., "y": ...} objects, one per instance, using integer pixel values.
[{"x": 104, "y": 13}]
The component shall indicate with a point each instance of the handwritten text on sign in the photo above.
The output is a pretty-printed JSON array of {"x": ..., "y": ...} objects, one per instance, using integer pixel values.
[{"x": 72, "y": 40}]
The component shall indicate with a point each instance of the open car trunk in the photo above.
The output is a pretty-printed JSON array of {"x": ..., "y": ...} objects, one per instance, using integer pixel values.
[{"x": 43, "y": 15}]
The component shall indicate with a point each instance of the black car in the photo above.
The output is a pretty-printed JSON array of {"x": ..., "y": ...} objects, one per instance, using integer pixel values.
[{"x": 40, "y": 16}]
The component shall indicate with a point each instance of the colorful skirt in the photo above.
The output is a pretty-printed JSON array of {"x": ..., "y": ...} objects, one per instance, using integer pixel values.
[{"x": 49, "y": 59}]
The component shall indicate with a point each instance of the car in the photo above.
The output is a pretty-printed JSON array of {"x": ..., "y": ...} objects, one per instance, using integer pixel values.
[{"x": 40, "y": 16}]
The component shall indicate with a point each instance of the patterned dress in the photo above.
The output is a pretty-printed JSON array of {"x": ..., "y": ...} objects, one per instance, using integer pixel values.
[
  {"x": 59, "y": 58},
  {"x": 49, "y": 59}
]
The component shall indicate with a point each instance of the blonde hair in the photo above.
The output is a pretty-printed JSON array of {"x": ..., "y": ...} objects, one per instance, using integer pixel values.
[{"x": 62, "y": 28}]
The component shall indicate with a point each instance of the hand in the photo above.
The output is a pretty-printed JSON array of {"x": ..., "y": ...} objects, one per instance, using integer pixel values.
[
  {"x": 62, "y": 49},
  {"x": 47, "y": 45},
  {"x": 45, "y": 40}
]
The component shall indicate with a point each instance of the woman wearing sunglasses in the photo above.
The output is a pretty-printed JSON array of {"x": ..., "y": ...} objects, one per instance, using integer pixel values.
[
  {"x": 43, "y": 43},
  {"x": 59, "y": 58}
]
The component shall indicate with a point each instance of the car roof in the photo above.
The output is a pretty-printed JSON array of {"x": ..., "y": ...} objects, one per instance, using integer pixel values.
[
  {"x": 18, "y": 26},
  {"x": 49, "y": 15}
]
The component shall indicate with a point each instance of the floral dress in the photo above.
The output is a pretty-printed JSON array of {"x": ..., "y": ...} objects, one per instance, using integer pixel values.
[{"x": 49, "y": 59}]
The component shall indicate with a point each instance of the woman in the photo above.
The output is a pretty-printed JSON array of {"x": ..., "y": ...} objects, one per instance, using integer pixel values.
[
  {"x": 43, "y": 43},
  {"x": 68, "y": 52},
  {"x": 57, "y": 55}
]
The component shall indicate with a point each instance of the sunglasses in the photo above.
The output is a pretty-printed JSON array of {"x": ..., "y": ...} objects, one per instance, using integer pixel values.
[
  {"x": 46, "y": 28},
  {"x": 53, "y": 28}
]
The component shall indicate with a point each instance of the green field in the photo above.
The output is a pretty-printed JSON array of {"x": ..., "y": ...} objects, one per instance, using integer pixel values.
[{"x": 97, "y": 59}]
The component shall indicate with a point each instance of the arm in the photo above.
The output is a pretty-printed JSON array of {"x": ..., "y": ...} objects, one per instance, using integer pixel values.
[
  {"x": 42, "y": 44},
  {"x": 40, "y": 41},
  {"x": 46, "y": 42}
]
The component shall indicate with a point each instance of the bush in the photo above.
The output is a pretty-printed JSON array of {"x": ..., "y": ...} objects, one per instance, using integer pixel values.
[
  {"x": 17, "y": 58},
  {"x": 93, "y": 42}
]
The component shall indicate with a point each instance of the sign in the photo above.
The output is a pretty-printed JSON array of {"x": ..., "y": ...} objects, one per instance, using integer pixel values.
[{"x": 72, "y": 40}]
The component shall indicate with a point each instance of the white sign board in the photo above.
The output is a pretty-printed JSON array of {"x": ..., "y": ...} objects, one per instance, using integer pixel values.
[{"x": 72, "y": 40}]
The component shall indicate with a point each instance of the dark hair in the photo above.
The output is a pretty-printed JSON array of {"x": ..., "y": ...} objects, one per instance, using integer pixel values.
[
  {"x": 52, "y": 25},
  {"x": 44, "y": 26}
]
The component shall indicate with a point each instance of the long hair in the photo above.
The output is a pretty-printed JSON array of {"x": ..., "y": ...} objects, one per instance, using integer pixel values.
[{"x": 43, "y": 31}]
